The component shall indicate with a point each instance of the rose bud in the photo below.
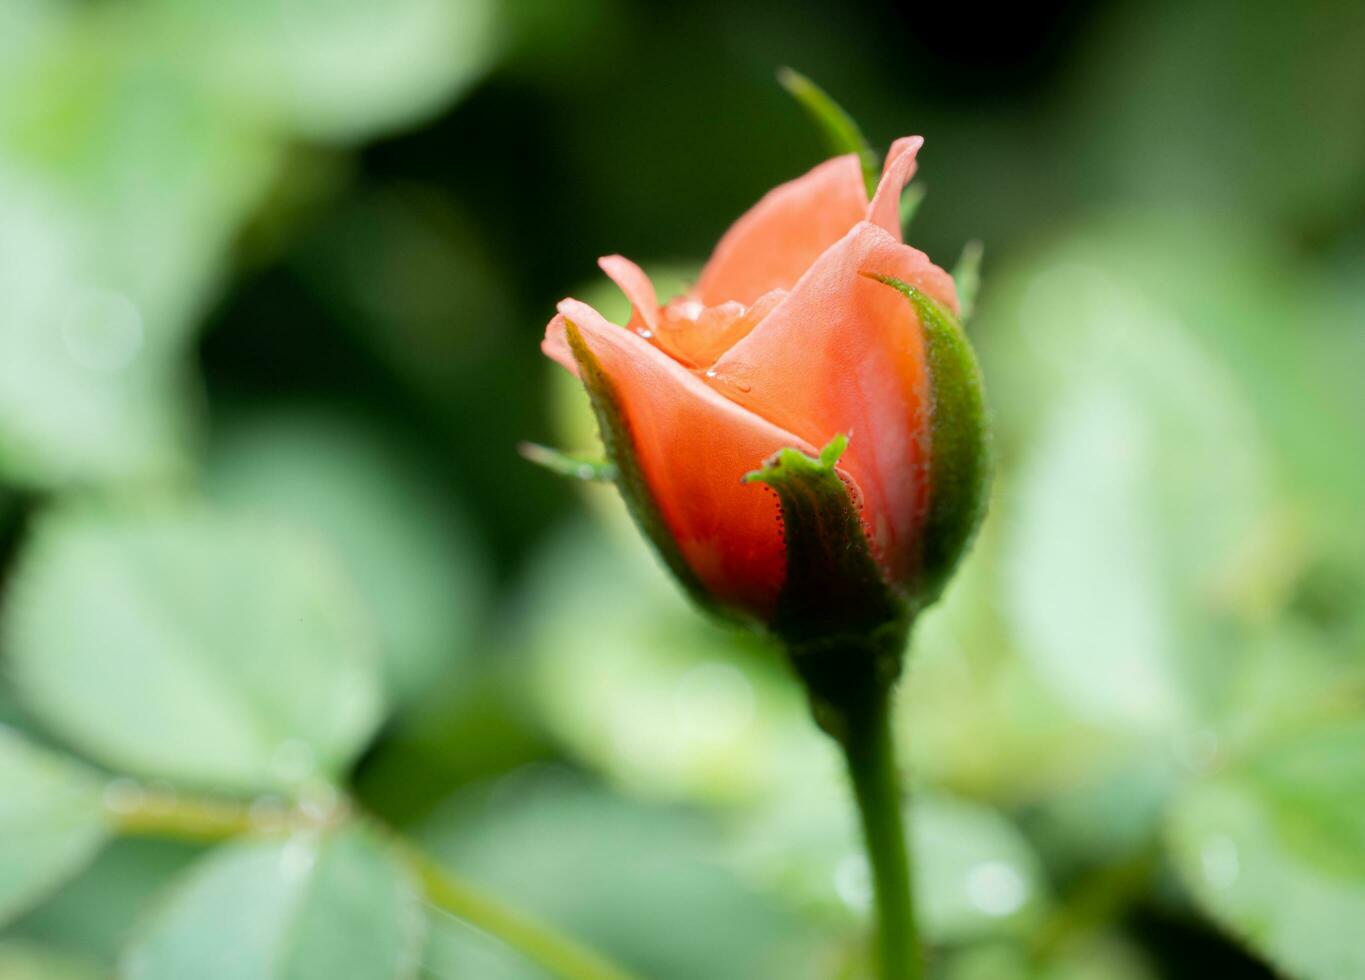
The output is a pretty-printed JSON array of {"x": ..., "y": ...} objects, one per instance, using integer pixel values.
[{"x": 802, "y": 434}]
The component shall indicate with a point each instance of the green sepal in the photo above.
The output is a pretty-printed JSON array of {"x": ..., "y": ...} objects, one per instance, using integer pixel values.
[
  {"x": 959, "y": 446},
  {"x": 568, "y": 464},
  {"x": 835, "y": 594},
  {"x": 841, "y": 133},
  {"x": 619, "y": 443}
]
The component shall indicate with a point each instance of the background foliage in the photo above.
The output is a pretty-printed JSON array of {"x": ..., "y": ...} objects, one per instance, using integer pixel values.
[{"x": 272, "y": 278}]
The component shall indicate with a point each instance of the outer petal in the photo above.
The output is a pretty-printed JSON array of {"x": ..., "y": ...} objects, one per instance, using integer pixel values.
[
  {"x": 636, "y": 285},
  {"x": 779, "y": 237},
  {"x": 885, "y": 209},
  {"x": 694, "y": 447},
  {"x": 843, "y": 353}
]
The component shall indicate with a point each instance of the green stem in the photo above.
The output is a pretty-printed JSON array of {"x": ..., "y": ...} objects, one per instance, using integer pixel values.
[
  {"x": 135, "y": 811},
  {"x": 870, "y": 753},
  {"x": 560, "y": 955}
]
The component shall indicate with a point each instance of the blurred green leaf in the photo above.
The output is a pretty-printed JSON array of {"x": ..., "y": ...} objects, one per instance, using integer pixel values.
[
  {"x": 1231, "y": 96},
  {"x": 337, "y": 70},
  {"x": 21, "y": 960},
  {"x": 637, "y": 882},
  {"x": 634, "y": 682},
  {"x": 384, "y": 513},
  {"x": 122, "y": 184},
  {"x": 179, "y": 643},
  {"x": 967, "y": 278},
  {"x": 1274, "y": 849},
  {"x": 51, "y": 821},
  {"x": 1098, "y": 957},
  {"x": 87, "y": 388},
  {"x": 306, "y": 908},
  {"x": 93, "y": 914},
  {"x": 973, "y": 715},
  {"x": 1142, "y": 491},
  {"x": 976, "y": 876}
]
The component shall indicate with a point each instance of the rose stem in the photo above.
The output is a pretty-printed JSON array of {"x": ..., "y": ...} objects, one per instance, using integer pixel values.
[{"x": 870, "y": 753}]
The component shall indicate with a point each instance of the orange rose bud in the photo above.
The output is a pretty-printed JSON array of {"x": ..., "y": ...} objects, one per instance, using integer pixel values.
[{"x": 802, "y": 435}]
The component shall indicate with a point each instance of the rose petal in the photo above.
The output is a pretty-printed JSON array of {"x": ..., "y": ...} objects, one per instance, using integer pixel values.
[
  {"x": 636, "y": 285},
  {"x": 885, "y": 209},
  {"x": 694, "y": 446},
  {"x": 844, "y": 353},
  {"x": 779, "y": 237}
]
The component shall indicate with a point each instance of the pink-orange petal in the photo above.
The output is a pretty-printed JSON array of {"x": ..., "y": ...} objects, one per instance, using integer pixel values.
[
  {"x": 885, "y": 209},
  {"x": 633, "y": 281},
  {"x": 694, "y": 447},
  {"x": 844, "y": 353},
  {"x": 777, "y": 239}
]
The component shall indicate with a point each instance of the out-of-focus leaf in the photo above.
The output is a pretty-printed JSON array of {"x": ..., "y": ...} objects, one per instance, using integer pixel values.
[
  {"x": 1221, "y": 88},
  {"x": 51, "y": 821},
  {"x": 94, "y": 913},
  {"x": 29, "y": 961},
  {"x": 976, "y": 876},
  {"x": 337, "y": 70},
  {"x": 1142, "y": 491},
  {"x": 401, "y": 540},
  {"x": 180, "y": 643},
  {"x": 1274, "y": 849},
  {"x": 1112, "y": 812},
  {"x": 973, "y": 715},
  {"x": 639, "y": 883},
  {"x": 122, "y": 182},
  {"x": 1099, "y": 957},
  {"x": 305, "y": 908},
  {"x": 87, "y": 390},
  {"x": 633, "y": 681}
]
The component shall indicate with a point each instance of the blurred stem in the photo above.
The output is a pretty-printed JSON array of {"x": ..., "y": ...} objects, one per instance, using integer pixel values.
[
  {"x": 870, "y": 753},
  {"x": 561, "y": 956},
  {"x": 137, "y": 811}
]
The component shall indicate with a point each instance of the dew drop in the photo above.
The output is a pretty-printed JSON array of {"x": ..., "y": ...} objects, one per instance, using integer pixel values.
[
  {"x": 645, "y": 332},
  {"x": 711, "y": 373}
]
